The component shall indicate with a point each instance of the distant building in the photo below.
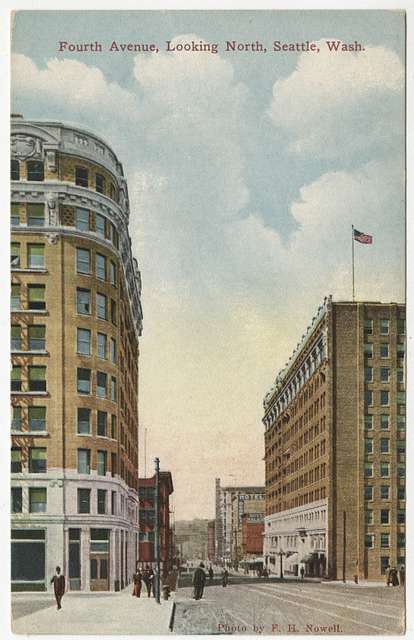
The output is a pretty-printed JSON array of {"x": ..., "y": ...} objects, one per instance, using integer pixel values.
[
  {"x": 191, "y": 537},
  {"x": 231, "y": 504},
  {"x": 211, "y": 532},
  {"x": 147, "y": 521},
  {"x": 335, "y": 446},
  {"x": 252, "y": 535}
]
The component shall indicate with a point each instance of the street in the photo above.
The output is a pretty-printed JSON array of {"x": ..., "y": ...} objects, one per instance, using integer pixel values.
[{"x": 248, "y": 606}]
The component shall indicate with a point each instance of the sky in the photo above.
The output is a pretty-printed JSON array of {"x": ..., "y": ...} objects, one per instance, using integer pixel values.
[{"x": 245, "y": 172}]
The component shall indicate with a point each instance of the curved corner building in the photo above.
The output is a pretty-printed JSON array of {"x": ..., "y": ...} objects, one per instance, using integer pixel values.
[{"x": 76, "y": 320}]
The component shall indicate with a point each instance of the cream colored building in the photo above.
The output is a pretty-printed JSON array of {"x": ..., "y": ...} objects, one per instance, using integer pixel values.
[{"x": 76, "y": 320}]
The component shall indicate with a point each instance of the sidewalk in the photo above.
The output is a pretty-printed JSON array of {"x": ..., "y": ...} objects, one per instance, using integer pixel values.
[{"x": 98, "y": 614}]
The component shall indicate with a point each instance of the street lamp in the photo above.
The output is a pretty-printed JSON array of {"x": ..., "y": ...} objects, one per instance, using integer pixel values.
[{"x": 281, "y": 553}]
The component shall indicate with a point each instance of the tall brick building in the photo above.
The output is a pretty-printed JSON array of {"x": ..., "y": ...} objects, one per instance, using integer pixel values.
[
  {"x": 76, "y": 320},
  {"x": 335, "y": 446},
  {"x": 147, "y": 522}
]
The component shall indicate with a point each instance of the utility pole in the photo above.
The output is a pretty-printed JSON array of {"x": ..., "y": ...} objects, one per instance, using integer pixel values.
[
  {"x": 157, "y": 531},
  {"x": 344, "y": 547}
]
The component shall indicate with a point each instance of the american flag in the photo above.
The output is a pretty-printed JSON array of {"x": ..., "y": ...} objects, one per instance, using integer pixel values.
[{"x": 364, "y": 238}]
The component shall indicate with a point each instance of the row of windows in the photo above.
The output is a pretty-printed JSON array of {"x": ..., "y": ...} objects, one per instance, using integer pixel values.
[
  {"x": 35, "y": 172},
  {"x": 35, "y": 256},
  {"x": 369, "y": 492},
  {"x": 35, "y": 339},
  {"x": 37, "y": 461},
  {"x": 38, "y": 500},
  {"x": 383, "y": 421},
  {"x": 36, "y": 378},
  {"x": 383, "y": 397},
  {"x": 105, "y": 269},
  {"x": 384, "y": 446},
  {"x": 384, "y": 374},
  {"x": 384, "y": 542},
  {"x": 384, "y": 350},
  {"x": 384, "y": 470},
  {"x": 35, "y": 297},
  {"x": 37, "y": 381},
  {"x": 84, "y": 341},
  {"x": 383, "y": 326},
  {"x": 36, "y": 421},
  {"x": 384, "y": 516}
]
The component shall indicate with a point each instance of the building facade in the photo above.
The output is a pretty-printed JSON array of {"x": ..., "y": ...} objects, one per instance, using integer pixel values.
[
  {"x": 211, "y": 534},
  {"x": 335, "y": 446},
  {"x": 192, "y": 539},
  {"x": 76, "y": 319},
  {"x": 231, "y": 504},
  {"x": 147, "y": 522}
]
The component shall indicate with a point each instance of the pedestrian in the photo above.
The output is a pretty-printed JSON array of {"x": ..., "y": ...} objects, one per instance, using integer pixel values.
[
  {"x": 58, "y": 581},
  {"x": 402, "y": 575},
  {"x": 211, "y": 573},
  {"x": 388, "y": 576},
  {"x": 137, "y": 580},
  {"x": 302, "y": 572},
  {"x": 148, "y": 578},
  {"x": 225, "y": 578},
  {"x": 394, "y": 578},
  {"x": 199, "y": 579}
]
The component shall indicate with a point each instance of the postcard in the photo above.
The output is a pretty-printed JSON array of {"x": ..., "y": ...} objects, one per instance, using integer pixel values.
[{"x": 208, "y": 322}]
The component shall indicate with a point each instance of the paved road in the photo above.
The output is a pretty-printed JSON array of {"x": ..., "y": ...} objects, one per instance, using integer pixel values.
[{"x": 291, "y": 607}]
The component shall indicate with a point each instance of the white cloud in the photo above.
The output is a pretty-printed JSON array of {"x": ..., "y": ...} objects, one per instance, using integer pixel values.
[{"x": 335, "y": 104}]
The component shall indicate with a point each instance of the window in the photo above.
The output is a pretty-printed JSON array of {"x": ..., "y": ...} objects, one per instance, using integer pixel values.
[
  {"x": 369, "y": 445},
  {"x": 81, "y": 176},
  {"x": 101, "y": 345},
  {"x": 385, "y": 492},
  {"x": 82, "y": 219},
  {"x": 100, "y": 266},
  {"x": 384, "y": 326},
  {"x": 84, "y": 381},
  {"x": 368, "y": 327},
  {"x": 84, "y": 461},
  {"x": 369, "y": 540},
  {"x": 16, "y": 378},
  {"x": 113, "y": 192},
  {"x": 83, "y": 301},
  {"x": 15, "y": 297},
  {"x": 14, "y": 170},
  {"x": 37, "y": 337},
  {"x": 84, "y": 500},
  {"x": 400, "y": 422},
  {"x": 14, "y": 214},
  {"x": 101, "y": 463},
  {"x": 368, "y": 350},
  {"x": 112, "y": 346},
  {"x": 112, "y": 273},
  {"x": 368, "y": 374},
  {"x": 37, "y": 500},
  {"x": 83, "y": 342},
  {"x": 368, "y": 398},
  {"x": 113, "y": 426},
  {"x": 16, "y": 424},
  {"x": 400, "y": 447},
  {"x": 113, "y": 503},
  {"x": 401, "y": 326},
  {"x": 384, "y": 398},
  {"x": 384, "y": 374},
  {"x": 113, "y": 464},
  {"x": 100, "y": 225},
  {"x": 385, "y": 516},
  {"x": 401, "y": 516},
  {"x": 84, "y": 420},
  {"x": 384, "y": 350},
  {"x": 35, "y": 256},
  {"x": 385, "y": 540},
  {"x": 15, "y": 337},
  {"x": 16, "y": 500},
  {"x": 384, "y": 445},
  {"x": 400, "y": 472},
  {"x": 368, "y": 493},
  {"x": 385, "y": 563},
  {"x": 83, "y": 261},
  {"x": 400, "y": 397},
  {"x": 400, "y": 375},
  {"x": 35, "y": 215},
  {"x": 400, "y": 539},
  {"x": 400, "y": 350},
  {"x": 36, "y": 297},
  {"x": 384, "y": 422},
  {"x": 35, "y": 170},
  {"x": 401, "y": 493},
  {"x": 113, "y": 389},
  {"x": 368, "y": 469},
  {"x": 101, "y": 423},
  {"x": 113, "y": 312},
  {"x": 16, "y": 460},
  {"x": 101, "y": 501},
  {"x": 37, "y": 378},
  {"x": 101, "y": 384},
  {"x": 384, "y": 469},
  {"x": 15, "y": 254},
  {"x": 37, "y": 460},
  {"x": 369, "y": 516},
  {"x": 99, "y": 183},
  {"x": 101, "y": 306},
  {"x": 37, "y": 418}
]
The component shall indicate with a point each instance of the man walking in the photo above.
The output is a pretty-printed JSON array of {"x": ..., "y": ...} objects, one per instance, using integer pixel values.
[
  {"x": 199, "y": 579},
  {"x": 225, "y": 578},
  {"x": 137, "y": 580},
  {"x": 58, "y": 581}
]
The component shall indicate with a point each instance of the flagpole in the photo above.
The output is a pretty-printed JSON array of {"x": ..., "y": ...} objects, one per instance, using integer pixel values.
[{"x": 353, "y": 267}]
